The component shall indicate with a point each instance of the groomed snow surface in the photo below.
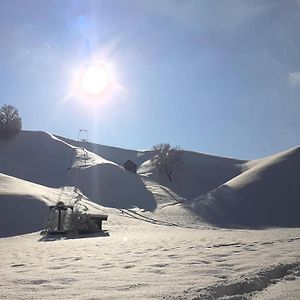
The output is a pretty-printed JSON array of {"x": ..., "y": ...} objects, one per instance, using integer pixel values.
[{"x": 222, "y": 229}]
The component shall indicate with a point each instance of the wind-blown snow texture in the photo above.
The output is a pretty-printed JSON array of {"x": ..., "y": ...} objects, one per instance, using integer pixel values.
[{"x": 162, "y": 239}]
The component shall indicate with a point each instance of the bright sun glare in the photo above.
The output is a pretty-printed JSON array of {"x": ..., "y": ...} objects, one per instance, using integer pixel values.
[{"x": 94, "y": 79}]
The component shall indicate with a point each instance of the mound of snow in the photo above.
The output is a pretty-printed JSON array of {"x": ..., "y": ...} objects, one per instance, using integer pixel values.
[
  {"x": 266, "y": 194},
  {"x": 20, "y": 215},
  {"x": 196, "y": 174},
  {"x": 42, "y": 158},
  {"x": 11, "y": 186},
  {"x": 24, "y": 205}
]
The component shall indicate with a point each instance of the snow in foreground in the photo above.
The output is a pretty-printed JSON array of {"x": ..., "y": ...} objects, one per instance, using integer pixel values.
[{"x": 139, "y": 260}]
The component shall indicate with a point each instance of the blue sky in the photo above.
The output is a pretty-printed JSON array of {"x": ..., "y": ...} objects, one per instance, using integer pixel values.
[{"x": 220, "y": 77}]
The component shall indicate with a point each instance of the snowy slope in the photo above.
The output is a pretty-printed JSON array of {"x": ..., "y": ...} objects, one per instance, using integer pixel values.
[
  {"x": 44, "y": 159},
  {"x": 117, "y": 155},
  {"x": 37, "y": 157},
  {"x": 41, "y": 158},
  {"x": 196, "y": 174},
  {"x": 159, "y": 245},
  {"x": 227, "y": 191},
  {"x": 267, "y": 193},
  {"x": 25, "y": 205}
]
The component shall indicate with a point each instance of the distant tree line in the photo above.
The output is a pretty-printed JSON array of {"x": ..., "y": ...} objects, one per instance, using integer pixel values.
[{"x": 10, "y": 122}]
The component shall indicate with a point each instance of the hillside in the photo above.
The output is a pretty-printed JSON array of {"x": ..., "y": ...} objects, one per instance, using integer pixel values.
[
  {"x": 219, "y": 190},
  {"x": 36, "y": 157},
  {"x": 196, "y": 173},
  {"x": 157, "y": 231},
  {"x": 117, "y": 155},
  {"x": 24, "y": 205},
  {"x": 56, "y": 162},
  {"x": 44, "y": 159},
  {"x": 266, "y": 193}
]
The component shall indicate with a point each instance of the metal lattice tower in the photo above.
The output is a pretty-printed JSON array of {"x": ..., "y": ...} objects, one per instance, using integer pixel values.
[
  {"x": 83, "y": 135},
  {"x": 83, "y": 138}
]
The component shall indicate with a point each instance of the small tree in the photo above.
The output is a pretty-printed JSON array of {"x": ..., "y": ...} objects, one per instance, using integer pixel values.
[
  {"x": 10, "y": 121},
  {"x": 166, "y": 158}
]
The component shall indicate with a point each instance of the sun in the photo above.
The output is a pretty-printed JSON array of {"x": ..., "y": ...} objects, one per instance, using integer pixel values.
[{"x": 94, "y": 79}]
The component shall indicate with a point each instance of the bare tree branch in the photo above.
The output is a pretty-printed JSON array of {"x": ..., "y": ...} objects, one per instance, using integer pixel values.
[{"x": 166, "y": 158}]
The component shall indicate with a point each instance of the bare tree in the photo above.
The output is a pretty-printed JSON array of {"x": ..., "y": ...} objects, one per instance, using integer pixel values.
[
  {"x": 10, "y": 121},
  {"x": 166, "y": 158}
]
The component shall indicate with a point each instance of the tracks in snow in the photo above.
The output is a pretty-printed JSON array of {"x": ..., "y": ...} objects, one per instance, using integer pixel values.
[
  {"x": 135, "y": 215},
  {"x": 245, "y": 288},
  {"x": 164, "y": 196}
]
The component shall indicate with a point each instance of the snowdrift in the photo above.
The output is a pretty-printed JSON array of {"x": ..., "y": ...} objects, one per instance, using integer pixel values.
[
  {"x": 20, "y": 215},
  {"x": 24, "y": 205},
  {"x": 11, "y": 186},
  {"x": 196, "y": 174},
  {"x": 266, "y": 194}
]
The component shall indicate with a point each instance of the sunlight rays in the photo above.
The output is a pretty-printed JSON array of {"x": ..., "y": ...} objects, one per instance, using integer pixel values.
[
  {"x": 94, "y": 79},
  {"x": 95, "y": 82}
]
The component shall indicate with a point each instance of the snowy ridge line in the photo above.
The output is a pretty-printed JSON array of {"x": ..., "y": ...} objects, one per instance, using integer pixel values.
[
  {"x": 135, "y": 215},
  {"x": 245, "y": 288}
]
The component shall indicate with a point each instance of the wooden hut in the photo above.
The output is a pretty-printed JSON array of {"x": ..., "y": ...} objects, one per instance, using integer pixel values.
[{"x": 130, "y": 166}]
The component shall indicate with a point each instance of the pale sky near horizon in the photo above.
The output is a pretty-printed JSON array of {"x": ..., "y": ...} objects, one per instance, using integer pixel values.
[{"x": 220, "y": 77}]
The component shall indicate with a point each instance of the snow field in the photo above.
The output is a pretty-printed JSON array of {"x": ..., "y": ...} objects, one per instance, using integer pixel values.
[{"x": 139, "y": 260}]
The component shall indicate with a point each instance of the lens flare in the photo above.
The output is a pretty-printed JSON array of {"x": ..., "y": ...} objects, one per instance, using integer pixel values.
[
  {"x": 95, "y": 82},
  {"x": 94, "y": 79}
]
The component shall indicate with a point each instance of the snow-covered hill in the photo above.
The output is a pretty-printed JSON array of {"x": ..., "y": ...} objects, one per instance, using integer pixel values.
[
  {"x": 266, "y": 193},
  {"x": 162, "y": 242},
  {"x": 117, "y": 155},
  {"x": 44, "y": 159},
  {"x": 196, "y": 174},
  {"x": 24, "y": 205},
  {"x": 54, "y": 162},
  {"x": 226, "y": 191}
]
